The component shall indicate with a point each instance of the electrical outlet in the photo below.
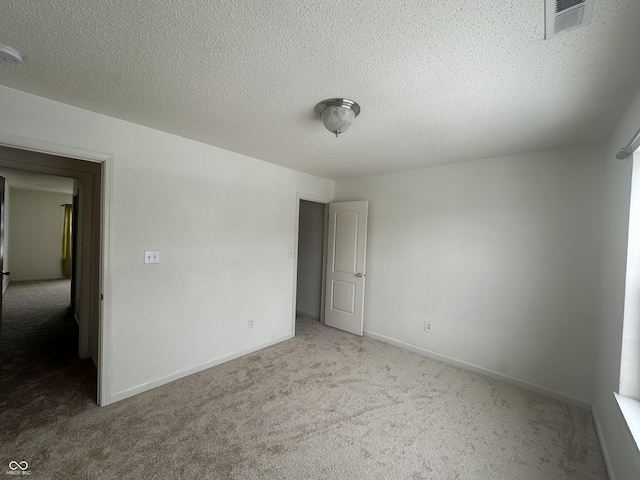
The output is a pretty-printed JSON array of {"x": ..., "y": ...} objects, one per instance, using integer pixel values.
[
  {"x": 251, "y": 323},
  {"x": 427, "y": 326}
]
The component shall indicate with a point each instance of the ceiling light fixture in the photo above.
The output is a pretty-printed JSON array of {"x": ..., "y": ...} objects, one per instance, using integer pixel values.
[
  {"x": 337, "y": 114},
  {"x": 10, "y": 54}
]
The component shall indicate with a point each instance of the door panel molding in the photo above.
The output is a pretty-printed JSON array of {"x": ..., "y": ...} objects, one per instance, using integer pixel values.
[
  {"x": 346, "y": 232},
  {"x": 343, "y": 298}
]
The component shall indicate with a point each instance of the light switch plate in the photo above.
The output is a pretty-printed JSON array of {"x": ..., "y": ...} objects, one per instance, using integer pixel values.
[{"x": 151, "y": 256}]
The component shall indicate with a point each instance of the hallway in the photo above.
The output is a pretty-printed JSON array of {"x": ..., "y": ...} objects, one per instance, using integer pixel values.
[{"x": 40, "y": 368}]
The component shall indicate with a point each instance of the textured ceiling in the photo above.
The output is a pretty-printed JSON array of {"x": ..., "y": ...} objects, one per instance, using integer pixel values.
[
  {"x": 37, "y": 181},
  {"x": 437, "y": 81}
]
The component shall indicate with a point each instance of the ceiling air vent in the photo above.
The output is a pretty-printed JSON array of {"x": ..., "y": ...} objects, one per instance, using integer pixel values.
[{"x": 564, "y": 15}]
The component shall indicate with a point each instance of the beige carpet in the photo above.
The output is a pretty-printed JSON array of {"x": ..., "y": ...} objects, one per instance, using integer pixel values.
[
  {"x": 41, "y": 378},
  {"x": 324, "y": 405}
]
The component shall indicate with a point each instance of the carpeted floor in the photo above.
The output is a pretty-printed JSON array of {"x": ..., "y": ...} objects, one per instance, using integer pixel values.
[
  {"x": 324, "y": 405},
  {"x": 41, "y": 379}
]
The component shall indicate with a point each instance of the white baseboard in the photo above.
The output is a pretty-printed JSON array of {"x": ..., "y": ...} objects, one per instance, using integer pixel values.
[
  {"x": 304, "y": 313},
  {"x": 190, "y": 371},
  {"x": 39, "y": 279},
  {"x": 579, "y": 402},
  {"x": 603, "y": 444}
]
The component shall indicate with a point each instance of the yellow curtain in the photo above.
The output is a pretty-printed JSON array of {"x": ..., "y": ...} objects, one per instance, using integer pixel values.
[{"x": 66, "y": 240}]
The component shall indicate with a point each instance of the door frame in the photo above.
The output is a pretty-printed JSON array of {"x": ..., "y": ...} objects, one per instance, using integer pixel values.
[
  {"x": 104, "y": 287},
  {"x": 325, "y": 201}
]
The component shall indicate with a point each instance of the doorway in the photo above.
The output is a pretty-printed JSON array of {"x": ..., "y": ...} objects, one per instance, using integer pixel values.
[
  {"x": 339, "y": 302},
  {"x": 345, "y": 271},
  {"x": 87, "y": 190},
  {"x": 37, "y": 249},
  {"x": 310, "y": 259}
]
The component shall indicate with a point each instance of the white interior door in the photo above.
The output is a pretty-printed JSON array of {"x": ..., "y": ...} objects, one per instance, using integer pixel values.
[{"x": 346, "y": 250}]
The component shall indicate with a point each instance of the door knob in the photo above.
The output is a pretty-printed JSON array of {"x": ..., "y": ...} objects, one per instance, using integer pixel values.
[{"x": 360, "y": 275}]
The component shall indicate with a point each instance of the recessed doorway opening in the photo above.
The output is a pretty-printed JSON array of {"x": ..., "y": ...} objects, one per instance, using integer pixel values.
[
  {"x": 72, "y": 281},
  {"x": 311, "y": 247},
  {"x": 331, "y": 241}
]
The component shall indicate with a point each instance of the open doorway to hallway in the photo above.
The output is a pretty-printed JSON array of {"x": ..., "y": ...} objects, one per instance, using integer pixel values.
[
  {"x": 85, "y": 310},
  {"x": 40, "y": 320},
  {"x": 311, "y": 245}
]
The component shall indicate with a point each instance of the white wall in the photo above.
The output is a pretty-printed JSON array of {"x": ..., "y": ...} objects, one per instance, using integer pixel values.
[
  {"x": 618, "y": 445},
  {"x": 6, "y": 265},
  {"x": 310, "y": 249},
  {"x": 499, "y": 255},
  {"x": 222, "y": 221},
  {"x": 35, "y": 234}
]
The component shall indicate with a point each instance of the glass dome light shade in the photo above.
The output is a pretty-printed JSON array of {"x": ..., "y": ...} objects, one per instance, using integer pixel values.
[{"x": 337, "y": 119}]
